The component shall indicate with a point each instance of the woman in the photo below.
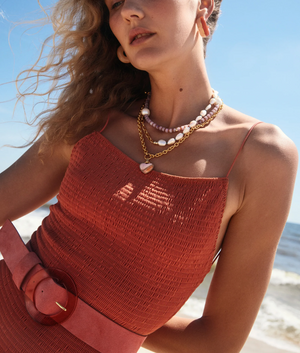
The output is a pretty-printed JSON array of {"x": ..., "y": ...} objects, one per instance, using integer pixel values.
[{"x": 150, "y": 188}]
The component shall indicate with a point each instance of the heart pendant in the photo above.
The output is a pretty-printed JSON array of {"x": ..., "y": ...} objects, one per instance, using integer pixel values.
[{"x": 146, "y": 167}]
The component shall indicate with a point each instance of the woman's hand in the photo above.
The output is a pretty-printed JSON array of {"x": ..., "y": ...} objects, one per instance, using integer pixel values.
[{"x": 31, "y": 181}]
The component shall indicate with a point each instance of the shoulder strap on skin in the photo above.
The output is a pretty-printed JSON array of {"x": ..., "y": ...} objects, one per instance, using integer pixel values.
[
  {"x": 242, "y": 145},
  {"x": 106, "y": 123}
]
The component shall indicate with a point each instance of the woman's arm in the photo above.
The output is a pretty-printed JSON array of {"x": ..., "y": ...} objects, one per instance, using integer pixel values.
[
  {"x": 244, "y": 268},
  {"x": 32, "y": 181}
]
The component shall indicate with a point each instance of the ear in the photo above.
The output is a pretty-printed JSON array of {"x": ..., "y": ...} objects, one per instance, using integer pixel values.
[{"x": 206, "y": 8}]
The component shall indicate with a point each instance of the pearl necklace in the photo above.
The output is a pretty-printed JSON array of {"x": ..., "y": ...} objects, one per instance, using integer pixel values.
[
  {"x": 147, "y": 166},
  {"x": 181, "y": 135},
  {"x": 204, "y": 115}
]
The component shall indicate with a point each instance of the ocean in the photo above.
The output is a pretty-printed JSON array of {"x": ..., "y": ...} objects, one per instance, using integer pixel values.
[{"x": 278, "y": 321}]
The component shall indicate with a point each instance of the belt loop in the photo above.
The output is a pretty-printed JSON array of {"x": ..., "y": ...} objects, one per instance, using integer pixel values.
[{"x": 24, "y": 266}]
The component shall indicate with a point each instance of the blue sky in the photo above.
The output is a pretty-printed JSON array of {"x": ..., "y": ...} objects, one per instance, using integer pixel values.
[{"x": 253, "y": 61}]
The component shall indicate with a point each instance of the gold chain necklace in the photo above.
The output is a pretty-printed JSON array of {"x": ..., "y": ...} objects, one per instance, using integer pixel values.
[{"x": 147, "y": 166}]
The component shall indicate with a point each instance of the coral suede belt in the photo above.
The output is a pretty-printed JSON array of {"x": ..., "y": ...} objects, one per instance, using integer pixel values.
[{"x": 51, "y": 298}]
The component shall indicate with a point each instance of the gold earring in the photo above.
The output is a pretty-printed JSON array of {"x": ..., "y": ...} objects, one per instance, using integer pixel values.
[
  {"x": 203, "y": 28},
  {"x": 122, "y": 56}
]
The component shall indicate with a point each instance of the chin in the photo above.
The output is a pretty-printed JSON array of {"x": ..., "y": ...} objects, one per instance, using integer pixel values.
[
  {"x": 147, "y": 62},
  {"x": 143, "y": 66}
]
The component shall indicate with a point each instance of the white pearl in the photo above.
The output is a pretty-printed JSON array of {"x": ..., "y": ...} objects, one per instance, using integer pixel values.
[
  {"x": 213, "y": 101},
  {"x": 208, "y": 107},
  {"x": 193, "y": 123},
  {"x": 171, "y": 141},
  {"x": 219, "y": 101},
  {"x": 145, "y": 111},
  {"x": 215, "y": 94},
  {"x": 186, "y": 130},
  {"x": 203, "y": 112},
  {"x": 199, "y": 117},
  {"x": 179, "y": 136},
  {"x": 162, "y": 142}
]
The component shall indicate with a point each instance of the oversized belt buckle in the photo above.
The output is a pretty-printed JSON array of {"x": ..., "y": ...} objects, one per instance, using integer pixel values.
[{"x": 61, "y": 279}]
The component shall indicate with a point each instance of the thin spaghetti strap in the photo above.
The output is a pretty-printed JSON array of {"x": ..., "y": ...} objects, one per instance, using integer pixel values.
[
  {"x": 242, "y": 145},
  {"x": 106, "y": 123}
]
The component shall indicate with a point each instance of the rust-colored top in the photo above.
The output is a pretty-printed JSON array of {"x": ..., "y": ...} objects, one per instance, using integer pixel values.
[{"x": 137, "y": 245}]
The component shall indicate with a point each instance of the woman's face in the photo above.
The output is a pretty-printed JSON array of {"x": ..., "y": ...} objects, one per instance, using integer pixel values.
[{"x": 154, "y": 32}]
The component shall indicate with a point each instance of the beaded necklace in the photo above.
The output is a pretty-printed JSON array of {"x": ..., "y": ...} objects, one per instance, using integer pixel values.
[
  {"x": 147, "y": 166},
  {"x": 214, "y": 100}
]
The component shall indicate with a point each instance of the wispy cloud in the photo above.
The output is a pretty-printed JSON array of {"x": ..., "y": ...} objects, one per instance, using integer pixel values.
[{"x": 2, "y": 15}]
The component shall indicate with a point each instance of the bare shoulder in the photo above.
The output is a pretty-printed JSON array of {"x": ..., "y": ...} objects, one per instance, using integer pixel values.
[
  {"x": 267, "y": 143},
  {"x": 268, "y": 170},
  {"x": 269, "y": 148}
]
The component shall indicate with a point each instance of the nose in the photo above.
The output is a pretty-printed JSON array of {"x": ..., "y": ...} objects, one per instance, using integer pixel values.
[{"x": 132, "y": 10}]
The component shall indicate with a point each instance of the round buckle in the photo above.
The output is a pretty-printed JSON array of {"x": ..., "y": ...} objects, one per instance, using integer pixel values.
[{"x": 62, "y": 279}]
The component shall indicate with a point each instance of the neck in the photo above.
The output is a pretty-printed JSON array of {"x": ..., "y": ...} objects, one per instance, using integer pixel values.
[{"x": 179, "y": 94}]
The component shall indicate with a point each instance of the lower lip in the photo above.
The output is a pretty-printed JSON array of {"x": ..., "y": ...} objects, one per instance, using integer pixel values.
[{"x": 142, "y": 39}]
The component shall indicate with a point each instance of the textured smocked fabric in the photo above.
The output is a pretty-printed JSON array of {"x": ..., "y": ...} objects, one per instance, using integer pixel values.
[{"x": 136, "y": 245}]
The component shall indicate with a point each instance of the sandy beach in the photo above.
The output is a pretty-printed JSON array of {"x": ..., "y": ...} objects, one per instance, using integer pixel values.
[{"x": 252, "y": 346}]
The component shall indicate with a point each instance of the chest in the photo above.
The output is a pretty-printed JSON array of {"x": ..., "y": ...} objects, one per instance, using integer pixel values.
[{"x": 174, "y": 214}]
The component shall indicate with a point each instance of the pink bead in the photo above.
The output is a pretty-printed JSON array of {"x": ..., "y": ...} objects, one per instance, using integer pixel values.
[{"x": 212, "y": 107}]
